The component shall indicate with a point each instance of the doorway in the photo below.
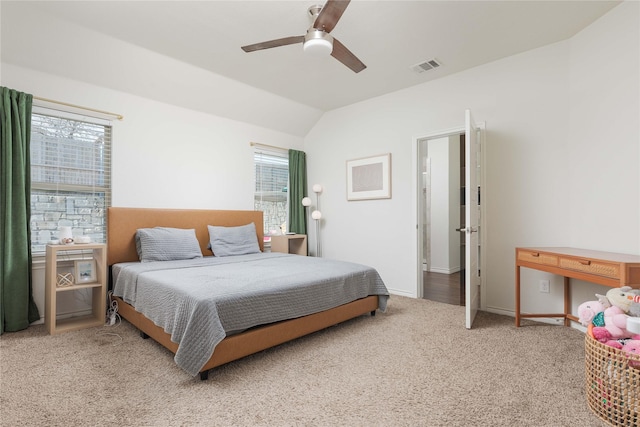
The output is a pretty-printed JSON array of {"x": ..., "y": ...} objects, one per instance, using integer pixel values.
[
  {"x": 474, "y": 226},
  {"x": 442, "y": 215}
]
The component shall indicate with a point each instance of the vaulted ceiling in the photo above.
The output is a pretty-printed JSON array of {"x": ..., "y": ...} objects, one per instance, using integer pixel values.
[{"x": 388, "y": 36}]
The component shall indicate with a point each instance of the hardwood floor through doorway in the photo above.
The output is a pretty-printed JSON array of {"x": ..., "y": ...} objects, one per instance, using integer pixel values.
[{"x": 445, "y": 288}]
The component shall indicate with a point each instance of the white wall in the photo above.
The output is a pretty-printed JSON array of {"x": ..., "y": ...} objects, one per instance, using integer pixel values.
[
  {"x": 163, "y": 155},
  {"x": 444, "y": 155},
  {"x": 454, "y": 203},
  {"x": 438, "y": 152},
  {"x": 603, "y": 152},
  {"x": 531, "y": 104},
  {"x": 604, "y": 147}
]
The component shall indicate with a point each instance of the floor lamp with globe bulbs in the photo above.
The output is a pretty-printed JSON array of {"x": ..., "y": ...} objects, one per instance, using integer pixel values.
[{"x": 316, "y": 215}]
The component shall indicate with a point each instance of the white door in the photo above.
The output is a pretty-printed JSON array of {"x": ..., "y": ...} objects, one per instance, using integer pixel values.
[{"x": 472, "y": 221}]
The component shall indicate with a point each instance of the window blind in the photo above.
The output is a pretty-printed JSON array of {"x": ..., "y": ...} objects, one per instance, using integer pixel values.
[
  {"x": 70, "y": 175},
  {"x": 271, "y": 187}
]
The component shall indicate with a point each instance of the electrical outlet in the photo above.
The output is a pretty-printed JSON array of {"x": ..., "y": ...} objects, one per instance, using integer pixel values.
[{"x": 544, "y": 286}]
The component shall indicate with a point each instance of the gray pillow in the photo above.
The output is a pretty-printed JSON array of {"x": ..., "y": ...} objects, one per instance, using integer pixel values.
[
  {"x": 167, "y": 244},
  {"x": 226, "y": 241}
]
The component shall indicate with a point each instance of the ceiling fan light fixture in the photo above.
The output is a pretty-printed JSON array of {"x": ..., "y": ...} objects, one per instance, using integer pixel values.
[{"x": 318, "y": 43}]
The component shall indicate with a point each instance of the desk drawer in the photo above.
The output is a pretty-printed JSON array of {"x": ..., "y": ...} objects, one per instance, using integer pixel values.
[
  {"x": 537, "y": 257},
  {"x": 598, "y": 268}
]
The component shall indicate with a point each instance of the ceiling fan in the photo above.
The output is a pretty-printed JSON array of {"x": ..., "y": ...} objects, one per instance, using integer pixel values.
[{"x": 318, "y": 41}]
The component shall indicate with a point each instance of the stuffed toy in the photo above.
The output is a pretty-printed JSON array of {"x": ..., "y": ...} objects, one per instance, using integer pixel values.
[
  {"x": 632, "y": 348},
  {"x": 592, "y": 313},
  {"x": 623, "y": 297},
  {"x": 615, "y": 325},
  {"x": 616, "y": 343},
  {"x": 634, "y": 310}
]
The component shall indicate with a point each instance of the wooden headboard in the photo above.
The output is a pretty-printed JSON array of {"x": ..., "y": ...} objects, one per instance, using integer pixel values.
[{"x": 122, "y": 224}]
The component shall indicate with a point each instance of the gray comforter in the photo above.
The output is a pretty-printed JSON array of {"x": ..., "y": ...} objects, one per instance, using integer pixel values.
[{"x": 200, "y": 301}]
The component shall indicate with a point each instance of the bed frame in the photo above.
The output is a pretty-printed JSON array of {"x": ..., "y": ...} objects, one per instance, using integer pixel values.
[{"x": 122, "y": 226}]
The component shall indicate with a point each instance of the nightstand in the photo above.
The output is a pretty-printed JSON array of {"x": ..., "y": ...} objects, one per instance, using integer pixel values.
[
  {"x": 91, "y": 260},
  {"x": 290, "y": 244}
]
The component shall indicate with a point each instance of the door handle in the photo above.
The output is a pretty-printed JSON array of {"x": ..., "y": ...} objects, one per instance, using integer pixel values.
[{"x": 467, "y": 230}]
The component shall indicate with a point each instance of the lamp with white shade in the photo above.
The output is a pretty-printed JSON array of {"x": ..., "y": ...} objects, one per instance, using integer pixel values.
[{"x": 316, "y": 214}]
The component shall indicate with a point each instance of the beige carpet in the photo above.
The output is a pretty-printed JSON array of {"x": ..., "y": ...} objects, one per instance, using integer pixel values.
[{"x": 415, "y": 365}]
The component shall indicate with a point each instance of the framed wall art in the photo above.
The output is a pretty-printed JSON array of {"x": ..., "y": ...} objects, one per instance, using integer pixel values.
[
  {"x": 369, "y": 178},
  {"x": 85, "y": 271}
]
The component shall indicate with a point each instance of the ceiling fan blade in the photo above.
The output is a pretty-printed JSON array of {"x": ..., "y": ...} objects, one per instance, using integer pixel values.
[
  {"x": 344, "y": 55},
  {"x": 330, "y": 14},
  {"x": 273, "y": 43}
]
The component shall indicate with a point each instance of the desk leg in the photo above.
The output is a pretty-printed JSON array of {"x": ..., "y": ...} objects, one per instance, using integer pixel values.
[
  {"x": 567, "y": 302},
  {"x": 517, "y": 296}
]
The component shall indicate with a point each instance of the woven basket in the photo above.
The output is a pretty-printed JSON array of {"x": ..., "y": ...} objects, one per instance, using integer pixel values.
[{"x": 612, "y": 385}]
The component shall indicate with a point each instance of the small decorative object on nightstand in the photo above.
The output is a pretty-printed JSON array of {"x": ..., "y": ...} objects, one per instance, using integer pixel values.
[
  {"x": 290, "y": 244},
  {"x": 92, "y": 275},
  {"x": 65, "y": 279}
]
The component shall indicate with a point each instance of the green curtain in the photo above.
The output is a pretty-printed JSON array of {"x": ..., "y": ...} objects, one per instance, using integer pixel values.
[
  {"x": 17, "y": 307},
  {"x": 297, "y": 191}
]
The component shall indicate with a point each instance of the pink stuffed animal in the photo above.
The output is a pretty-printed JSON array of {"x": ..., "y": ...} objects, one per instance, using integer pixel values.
[
  {"x": 615, "y": 325},
  {"x": 614, "y": 344},
  {"x": 632, "y": 348},
  {"x": 587, "y": 312}
]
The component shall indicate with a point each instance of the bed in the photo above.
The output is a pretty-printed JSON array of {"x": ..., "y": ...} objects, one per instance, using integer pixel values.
[{"x": 262, "y": 299}]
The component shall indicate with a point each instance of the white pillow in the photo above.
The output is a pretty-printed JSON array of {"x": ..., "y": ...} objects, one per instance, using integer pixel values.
[
  {"x": 167, "y": 244},
  {"x": 227, "y": 241}
]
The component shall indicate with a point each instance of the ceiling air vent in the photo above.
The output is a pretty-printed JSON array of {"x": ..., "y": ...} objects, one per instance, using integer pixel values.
[{"x": 425, "y": 66}]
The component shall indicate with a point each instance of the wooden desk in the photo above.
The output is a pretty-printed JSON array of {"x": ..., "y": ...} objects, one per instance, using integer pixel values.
[{"x": 604, "y": 268}]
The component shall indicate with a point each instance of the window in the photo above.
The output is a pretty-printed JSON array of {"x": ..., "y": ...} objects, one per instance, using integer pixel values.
[
  {"x": 271, "y": 190},
  {"x": 70, "y": 176}
]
